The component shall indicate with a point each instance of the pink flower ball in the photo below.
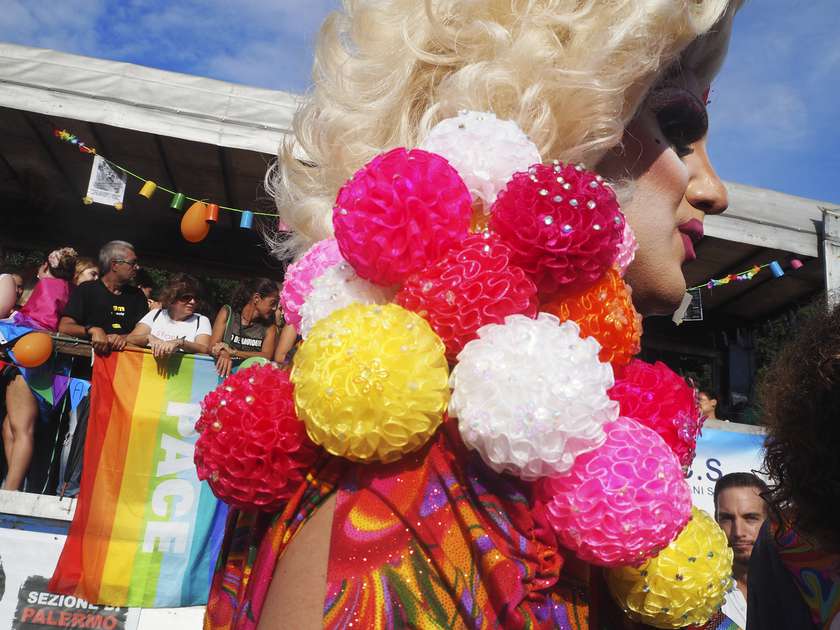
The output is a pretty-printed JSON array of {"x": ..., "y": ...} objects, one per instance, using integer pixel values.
[
  {"x": 300, "y": 274},
  {"x": 563, "y": 224},
  {"x": 471, "y": 286},
  {"x": 401, "y": 212},
  {"x": 621, "y": 503},
  {"x": 626, "y": 249},
  {"x": 659, "y": 398}
]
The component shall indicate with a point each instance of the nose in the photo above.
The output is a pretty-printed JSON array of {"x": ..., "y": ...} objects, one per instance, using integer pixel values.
[
  {"x": 705, "y": 190},
  {"x": 738, "y": 529}
]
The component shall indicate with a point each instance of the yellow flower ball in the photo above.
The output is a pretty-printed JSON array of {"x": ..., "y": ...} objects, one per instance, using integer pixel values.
[
  {"x": 371, "y": 382},
  {"x": 683, "y": 585}
]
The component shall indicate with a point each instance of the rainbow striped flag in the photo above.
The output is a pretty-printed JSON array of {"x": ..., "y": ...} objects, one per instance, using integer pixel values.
[{"x": 146, "y": 531}]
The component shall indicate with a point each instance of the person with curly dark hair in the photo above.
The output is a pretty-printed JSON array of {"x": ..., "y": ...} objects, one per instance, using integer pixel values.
[
  {"x": 246, "y": 327},
  {"x": 794, "y": 575},
  {"x": 175, "y": 325}
]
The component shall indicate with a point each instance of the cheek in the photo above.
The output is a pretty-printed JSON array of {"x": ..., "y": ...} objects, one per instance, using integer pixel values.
[{"x": 653, "y": 210}]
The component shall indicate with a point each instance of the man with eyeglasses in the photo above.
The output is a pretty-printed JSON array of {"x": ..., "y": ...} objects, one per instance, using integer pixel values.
[{"x": 106, "y": 311}]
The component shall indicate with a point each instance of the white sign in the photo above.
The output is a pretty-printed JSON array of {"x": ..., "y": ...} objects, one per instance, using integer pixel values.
[
  {"x": 107, "y": 184},
  {"x": 27, "y": 561}
]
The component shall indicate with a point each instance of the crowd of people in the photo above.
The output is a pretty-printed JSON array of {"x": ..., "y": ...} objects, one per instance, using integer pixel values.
[{"x": 112, "y": 304}]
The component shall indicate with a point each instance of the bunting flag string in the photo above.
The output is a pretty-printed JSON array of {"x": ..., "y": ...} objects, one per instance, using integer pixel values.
[
  {"x": 748, "y": 274},
  {"x": 196, "y": 221}
]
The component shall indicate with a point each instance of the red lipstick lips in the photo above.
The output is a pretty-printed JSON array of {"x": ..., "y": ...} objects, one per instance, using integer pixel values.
[{"x": 691, "y": 232}]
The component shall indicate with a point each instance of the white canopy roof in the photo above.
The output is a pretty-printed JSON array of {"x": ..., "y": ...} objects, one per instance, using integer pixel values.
[
  {"x": 144, "y": 99},
  {"x": 117, "y": 100}
]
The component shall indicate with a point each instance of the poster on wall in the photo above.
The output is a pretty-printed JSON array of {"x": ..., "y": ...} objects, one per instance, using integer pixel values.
[
  {"x": 722, "y": 449},
  {"x": 27, "y": 560}
]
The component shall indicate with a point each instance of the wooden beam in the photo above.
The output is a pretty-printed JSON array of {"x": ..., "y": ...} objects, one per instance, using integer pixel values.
[
  {"x": 769, "y": 219},
  {"x": 831, "y": 253}
]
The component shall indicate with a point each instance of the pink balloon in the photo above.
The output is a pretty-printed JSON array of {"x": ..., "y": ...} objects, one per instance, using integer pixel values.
[
  {"x": 8, "y": 295},
  {"x": 621, "y": 503},
  {"x": 300, "y": 274}
]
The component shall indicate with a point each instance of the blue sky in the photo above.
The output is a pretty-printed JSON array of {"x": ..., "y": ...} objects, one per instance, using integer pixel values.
[{"x": 774, "y": 107}]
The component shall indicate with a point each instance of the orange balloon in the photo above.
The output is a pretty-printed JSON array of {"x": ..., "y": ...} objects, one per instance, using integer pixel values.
[
  {"x": 194, "y": 226},
  {"x": 33, "y": 349}
]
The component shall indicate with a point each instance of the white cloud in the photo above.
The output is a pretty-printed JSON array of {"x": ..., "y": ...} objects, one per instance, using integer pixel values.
[{"x": 66, "y": 26}]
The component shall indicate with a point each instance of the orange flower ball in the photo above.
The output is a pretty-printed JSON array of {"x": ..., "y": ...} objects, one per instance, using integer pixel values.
[{"x": 604, "y": 311}]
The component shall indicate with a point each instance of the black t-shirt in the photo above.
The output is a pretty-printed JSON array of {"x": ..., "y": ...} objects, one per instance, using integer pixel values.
[{"x": 92, "y": 304}]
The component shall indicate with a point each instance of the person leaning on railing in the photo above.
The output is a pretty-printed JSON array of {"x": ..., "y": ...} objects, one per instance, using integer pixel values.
[
  {"x": 41, "y": 312},
  {"x": 105, "y": 310},
  {"x": 175, "y": 325},
  {"x": 246, "y": 328}
]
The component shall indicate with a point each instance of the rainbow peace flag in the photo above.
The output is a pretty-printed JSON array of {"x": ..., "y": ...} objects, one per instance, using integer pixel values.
[{"x": 146, "y": 531}]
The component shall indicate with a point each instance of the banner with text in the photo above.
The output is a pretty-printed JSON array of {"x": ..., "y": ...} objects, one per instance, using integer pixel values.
[
  {"x": 146, "y": 532},
  {"x": 27, "y": 559},
  {"x": 721, "y": 451}
]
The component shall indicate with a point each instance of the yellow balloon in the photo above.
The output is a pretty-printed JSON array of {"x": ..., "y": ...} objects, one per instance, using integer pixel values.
[
  {"x": 371, "y": 382},
  {"x": 683, "y": 585}
]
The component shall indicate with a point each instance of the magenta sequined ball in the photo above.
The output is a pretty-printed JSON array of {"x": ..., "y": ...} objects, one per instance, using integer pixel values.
[{"x": 562, "y": 223}]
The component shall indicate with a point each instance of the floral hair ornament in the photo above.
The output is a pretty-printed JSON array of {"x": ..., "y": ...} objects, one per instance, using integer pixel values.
[
  {"x": 624, "y": 501},
  {"x": 659, "y": 398},
  {"x": 55, "y": 257},
  {"x": 684, "y": 584},
  {"x": 562, "y": 223},
  {"x": 297, "y": 282},
  {"x": 400, "y": 213},
  {"x": 485, "y": 150},
  {"x": 252, "y": 448},
  {"x": 534, "y": 396}
]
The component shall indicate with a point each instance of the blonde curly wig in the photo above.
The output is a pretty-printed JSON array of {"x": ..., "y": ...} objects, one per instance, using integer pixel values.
[{"x": 570, "y": 73}]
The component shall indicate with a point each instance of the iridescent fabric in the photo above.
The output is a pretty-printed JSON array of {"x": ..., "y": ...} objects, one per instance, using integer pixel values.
[
  {"x": 719, "y": 621},
  {"x": 435, "y": 540},
  {"x": 815, "y": 573}
]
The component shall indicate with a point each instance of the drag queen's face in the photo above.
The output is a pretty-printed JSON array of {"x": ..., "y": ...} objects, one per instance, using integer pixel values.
[{"x": 674, "y": 186}]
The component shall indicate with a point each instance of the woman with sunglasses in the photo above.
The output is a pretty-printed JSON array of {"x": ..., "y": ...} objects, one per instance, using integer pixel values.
[
  {"x": 176, "y": 325},
  {"x": 246, "y": 327}
]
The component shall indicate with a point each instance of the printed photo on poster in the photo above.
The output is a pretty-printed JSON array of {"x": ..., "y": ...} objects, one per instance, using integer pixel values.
[{"x": 107, "y": 184}]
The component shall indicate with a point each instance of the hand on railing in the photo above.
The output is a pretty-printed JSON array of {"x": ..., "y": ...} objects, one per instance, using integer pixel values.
[
  {"x": 162, "y": 349},
  {"x": 99, "y": 340}
]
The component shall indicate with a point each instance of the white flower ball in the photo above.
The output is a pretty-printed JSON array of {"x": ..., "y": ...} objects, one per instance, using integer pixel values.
[
  {"x": 530, "y": 395},
  {"x": 484, "y": 150},
  {"x": 337, "y": 287}
]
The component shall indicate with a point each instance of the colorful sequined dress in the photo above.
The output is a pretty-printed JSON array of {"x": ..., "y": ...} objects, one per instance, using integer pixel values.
[{"x": 436, "y": 540}]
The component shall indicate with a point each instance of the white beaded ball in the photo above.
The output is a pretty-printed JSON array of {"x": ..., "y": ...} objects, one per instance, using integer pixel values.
[
  {"x": 337, "y": 287},
  {"x": 484, "y": 150},
  {"x": 530, "y": 395}
]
